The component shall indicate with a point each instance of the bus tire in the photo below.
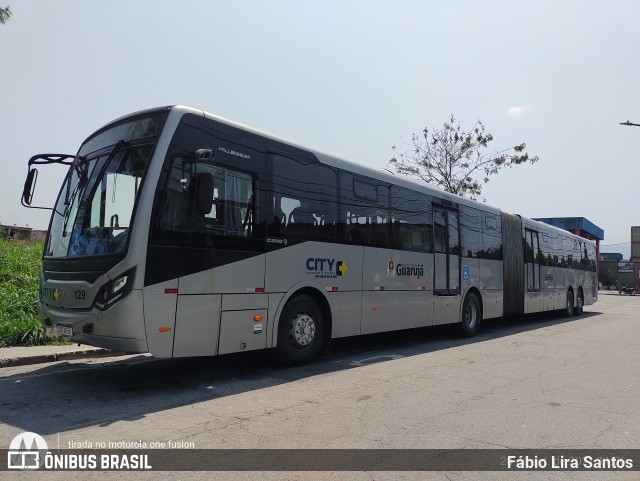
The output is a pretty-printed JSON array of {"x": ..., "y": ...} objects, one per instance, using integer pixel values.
[
  {"x": 471, "y": 316},
  {"x": 300, "y": 331},
  {"x": 579, "y": 309},
  {"x": 568, "y": 308}
]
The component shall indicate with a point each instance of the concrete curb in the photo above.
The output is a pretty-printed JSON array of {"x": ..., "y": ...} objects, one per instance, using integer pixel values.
[{"x": 57, "y": 356}]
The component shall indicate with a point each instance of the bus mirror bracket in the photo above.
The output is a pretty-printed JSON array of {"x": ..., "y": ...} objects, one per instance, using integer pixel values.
[
  {"x": 32, "y": 175},
  {"x": 203, "y": 155}
]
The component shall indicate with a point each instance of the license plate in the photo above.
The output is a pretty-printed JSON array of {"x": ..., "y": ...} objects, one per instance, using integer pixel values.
[{"x": 64, "y": 329}]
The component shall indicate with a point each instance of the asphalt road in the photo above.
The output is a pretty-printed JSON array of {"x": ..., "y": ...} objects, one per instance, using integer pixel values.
[{"x": 537, "y": 382}]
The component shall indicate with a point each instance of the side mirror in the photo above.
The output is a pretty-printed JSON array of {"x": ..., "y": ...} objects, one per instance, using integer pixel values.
[
  {"x": 29, "y": 187},
  {"x": 204, "y": 193},
  {"x": 203, "y": 155}
]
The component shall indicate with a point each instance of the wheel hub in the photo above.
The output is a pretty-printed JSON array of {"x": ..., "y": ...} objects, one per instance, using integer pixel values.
[
  {"x": 470, "y": 315},
  {"x": 303, "y": 330}
]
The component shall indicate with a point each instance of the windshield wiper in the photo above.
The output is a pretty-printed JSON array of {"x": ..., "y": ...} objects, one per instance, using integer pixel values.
[{"x": 80, "y": 166}]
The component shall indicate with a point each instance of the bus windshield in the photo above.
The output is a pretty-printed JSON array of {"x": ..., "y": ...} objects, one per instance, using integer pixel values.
[{"x": 95, "y": 207}]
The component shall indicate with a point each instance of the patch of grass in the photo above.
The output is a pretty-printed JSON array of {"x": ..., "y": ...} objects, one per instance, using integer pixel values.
[{"x": 19, "y": 282}]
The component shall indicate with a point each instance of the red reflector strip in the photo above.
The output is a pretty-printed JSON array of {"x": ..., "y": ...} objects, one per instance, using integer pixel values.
[
  {"x": 171, "y": 290},
  {"x": 422, "y": 288},
  {"x": 259, "y": 289},
  {"x": 332, "y": 289},
  {"x": 379, "y": 288}
]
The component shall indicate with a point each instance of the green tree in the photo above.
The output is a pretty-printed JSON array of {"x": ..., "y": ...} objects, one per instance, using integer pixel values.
[
  {"x": 607, "y": 278},
  {"x": 456, "y": 160},
  {"x": 5, "y": 13}
]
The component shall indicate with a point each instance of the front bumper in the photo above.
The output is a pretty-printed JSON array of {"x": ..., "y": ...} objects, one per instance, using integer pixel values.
[{"x": 119, "y": 328}]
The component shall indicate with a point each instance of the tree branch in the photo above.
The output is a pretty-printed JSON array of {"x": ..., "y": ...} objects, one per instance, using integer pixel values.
[{"x": 454, "y": 159}]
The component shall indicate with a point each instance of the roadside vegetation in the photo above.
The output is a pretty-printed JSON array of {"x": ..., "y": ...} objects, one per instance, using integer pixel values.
[{"x": 19, "y": 271}]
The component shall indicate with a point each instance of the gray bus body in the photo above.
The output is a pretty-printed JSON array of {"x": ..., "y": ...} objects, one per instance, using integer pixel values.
[{"x": 179, "y": 233}]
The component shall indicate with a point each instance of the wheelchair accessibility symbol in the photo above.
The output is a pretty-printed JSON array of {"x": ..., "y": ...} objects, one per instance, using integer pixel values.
[{"x": 465, "y": 273}]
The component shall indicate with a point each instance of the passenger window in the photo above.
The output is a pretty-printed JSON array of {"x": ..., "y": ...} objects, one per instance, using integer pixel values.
[
  {"x": 231, "y": 204},
  {"x": 364, "y": 211},
  {"x": 365, "y": 190},
  {"x": 491, "y": 236},
  {"x": 546, "y": 250},
  {"x": 440, "y": 231},
  {"x": 412, "y": 220},
  {"x": 303, "y": 199},
  {"x": 471, "y": 232},
  {"x": 231, "y": 212}
]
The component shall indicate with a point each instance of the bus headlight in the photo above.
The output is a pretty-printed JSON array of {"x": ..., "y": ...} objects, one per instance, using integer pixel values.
[{"x": 115, "y": 290}]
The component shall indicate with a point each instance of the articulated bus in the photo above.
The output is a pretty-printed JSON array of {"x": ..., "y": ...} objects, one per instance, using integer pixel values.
[{"x": 180, "y": 233}]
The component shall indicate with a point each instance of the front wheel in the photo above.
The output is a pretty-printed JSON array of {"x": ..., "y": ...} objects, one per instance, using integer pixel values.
[
  {"x": 300, "y": 331},
  {"x": 471, "y": 316}
]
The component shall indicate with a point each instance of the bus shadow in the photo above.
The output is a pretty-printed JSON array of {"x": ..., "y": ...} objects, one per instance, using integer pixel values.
[
  {"x": 412, "y": 342},
  {"x": 65, "y": 396}
]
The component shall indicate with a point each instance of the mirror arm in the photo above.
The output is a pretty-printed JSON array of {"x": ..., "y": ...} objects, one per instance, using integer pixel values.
[
  {"x": 51, "y": 159},
  {"x": 32, "y": 175}
]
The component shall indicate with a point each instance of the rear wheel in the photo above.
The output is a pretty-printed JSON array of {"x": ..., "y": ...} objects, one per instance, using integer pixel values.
[
  {"x": 568, "y": 310},
  {"x": 580, "y": 307},
  {"x": 300, "y": 331},
  {"x": 471, "y": 316}
]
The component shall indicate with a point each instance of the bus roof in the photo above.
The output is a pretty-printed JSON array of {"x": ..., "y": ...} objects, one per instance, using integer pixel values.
[{"x": 334, "y": 161}]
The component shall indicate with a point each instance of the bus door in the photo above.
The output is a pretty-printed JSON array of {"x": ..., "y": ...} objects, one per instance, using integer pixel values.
[
  {"x": 533, "y": 296},
  {"x": 207, "y": 237},
  {"x": 446, "y": 272}
]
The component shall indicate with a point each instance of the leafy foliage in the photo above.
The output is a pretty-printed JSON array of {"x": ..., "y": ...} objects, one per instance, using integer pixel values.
[
  {"x": 607, "y": 278},
  {"x": 459, "y": 161},
  {"x": 5, "y": 13},
  {"x": 19, "y": 282}
]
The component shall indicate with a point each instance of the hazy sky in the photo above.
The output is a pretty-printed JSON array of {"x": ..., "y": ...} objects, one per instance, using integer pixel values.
[{"x": 351, "y": 78}]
